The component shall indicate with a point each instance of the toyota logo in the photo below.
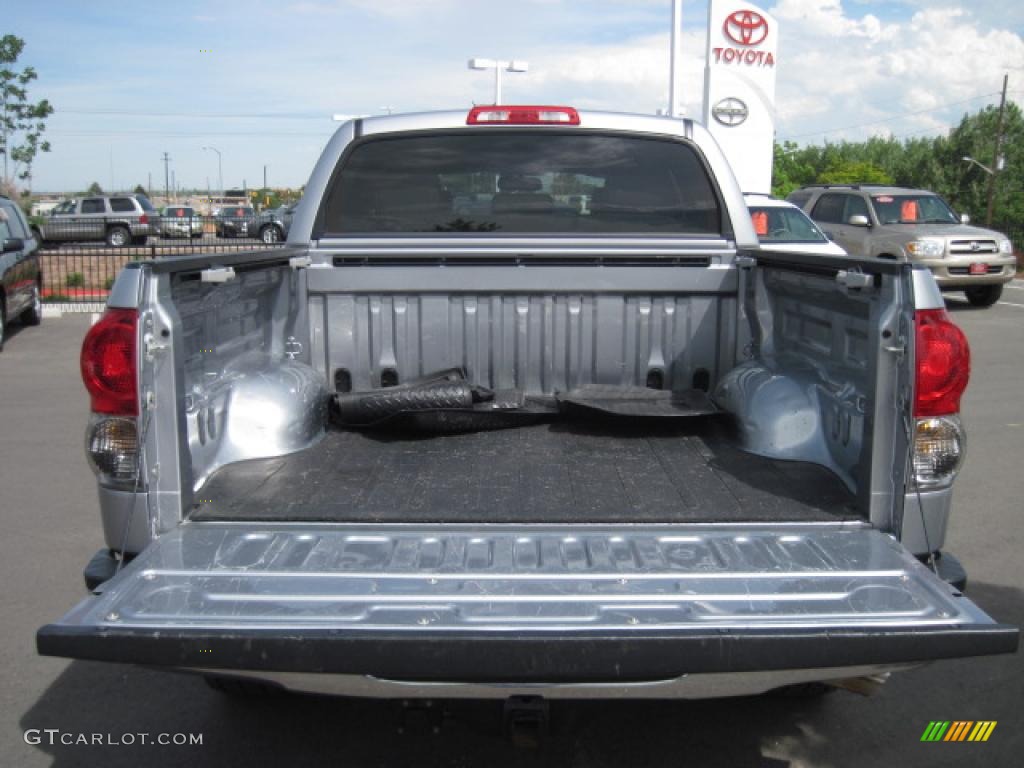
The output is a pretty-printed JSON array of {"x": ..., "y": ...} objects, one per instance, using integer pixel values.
[
  {"x": 745, "y": 27},
  {"x": 975, "y": 245},
  {"x": 730, "y": 111}
]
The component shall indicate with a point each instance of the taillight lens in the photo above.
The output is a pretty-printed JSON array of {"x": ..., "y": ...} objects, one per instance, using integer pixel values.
[
  {"x": 112, "y": 447},
  {"x": 143, "y": 219},
  {"x": 523, "y": 115},
  {"x": 943, "y": 364},
  {"x": 108, "y": 363},
  {"x": 939, "y": 448}
]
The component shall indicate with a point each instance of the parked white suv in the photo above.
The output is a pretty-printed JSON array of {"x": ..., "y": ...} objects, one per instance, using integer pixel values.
[
  {"x": 781, "y": 226},
  {"x": 917, "y": 225}
]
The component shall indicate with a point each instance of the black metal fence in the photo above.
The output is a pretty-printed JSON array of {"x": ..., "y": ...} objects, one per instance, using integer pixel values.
[
  {"x": 80, "y": 259},
  {"x": 79, "y": 266}
]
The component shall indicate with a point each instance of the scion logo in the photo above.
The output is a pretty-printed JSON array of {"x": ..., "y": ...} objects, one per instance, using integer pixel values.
[
  {"x": 730, "y": 111},
  {"x": 745, "y": 27}
]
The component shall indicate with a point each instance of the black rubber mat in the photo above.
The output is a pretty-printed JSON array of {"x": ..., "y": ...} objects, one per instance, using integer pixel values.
[{"x": 555, "y": 473}]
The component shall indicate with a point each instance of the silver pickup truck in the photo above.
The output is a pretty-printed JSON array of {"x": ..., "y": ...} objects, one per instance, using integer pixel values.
[{"x": 528, "y": 448}]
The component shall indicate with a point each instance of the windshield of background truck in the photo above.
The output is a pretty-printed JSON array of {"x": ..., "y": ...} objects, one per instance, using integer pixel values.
[
  {"x": 508, "y": 182},
  {"x": 912, "y": 209},
  {"x": 784, "y": 225}
]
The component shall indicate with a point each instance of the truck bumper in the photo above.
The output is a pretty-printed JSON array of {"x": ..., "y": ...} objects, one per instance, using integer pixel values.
[{"x": 953, "y": 273}]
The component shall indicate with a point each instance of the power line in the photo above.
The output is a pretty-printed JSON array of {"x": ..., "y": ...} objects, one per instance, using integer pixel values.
[
  {"x": 889, "y": 119},
  {"x": 124, "y": 132},
  {"x": 200, "y": 115}
]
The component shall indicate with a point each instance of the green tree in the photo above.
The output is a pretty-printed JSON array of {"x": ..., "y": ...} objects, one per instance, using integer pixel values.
[
  {"x": 139, "y": 190},
  {"x": 966, "y": 185},
  {"x": 853, "y": 171},
  {"x": 22, "y": 122},
  {"x": 94, "y": 189},
  {"x": 792, "y": 168}
]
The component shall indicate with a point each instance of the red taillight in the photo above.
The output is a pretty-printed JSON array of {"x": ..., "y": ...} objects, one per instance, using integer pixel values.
[
  {"x": 943, "y": 364},
  {"x": 143, "y": 219},
  {"x": 522, "y": 115},
  {"x": 108, "y": 363}
]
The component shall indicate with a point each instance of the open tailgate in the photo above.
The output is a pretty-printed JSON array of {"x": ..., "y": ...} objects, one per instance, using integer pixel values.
[{"x": 524, "y": 604}]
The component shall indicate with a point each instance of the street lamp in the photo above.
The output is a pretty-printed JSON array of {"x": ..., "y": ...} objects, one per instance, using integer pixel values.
[
  {"x": 1000, "y": 164},
  {"x": 220, "y": 170},
  {"x": 497, "y": 65}
]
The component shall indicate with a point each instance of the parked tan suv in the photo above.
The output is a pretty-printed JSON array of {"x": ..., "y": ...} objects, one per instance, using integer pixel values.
[{"x": 917, "y": 225}]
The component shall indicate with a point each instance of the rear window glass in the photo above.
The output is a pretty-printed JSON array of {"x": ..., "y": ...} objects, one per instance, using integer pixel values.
[
  {"x": 121, "y": 205},
  {"x": 145, "y": 203},
  {"x": 507, "y": 183},
  {"x": 179, "y": 212}
]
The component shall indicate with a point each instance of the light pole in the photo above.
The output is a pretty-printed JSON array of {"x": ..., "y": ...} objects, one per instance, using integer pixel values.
[
  {"x": 220, "y": 172},
  {"x": 984, "y": 167},
  {"x": 992, "y": 173},
  {"x": 674, "y": 57},
  {"x": 497, "y": 65}
]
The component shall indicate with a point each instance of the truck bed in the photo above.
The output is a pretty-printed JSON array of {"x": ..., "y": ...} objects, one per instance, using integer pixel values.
[{"x": 546, "y": 473}]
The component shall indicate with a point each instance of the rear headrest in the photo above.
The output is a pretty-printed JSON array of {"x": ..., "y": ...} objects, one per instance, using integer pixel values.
[{"x": 514, "y": 182}]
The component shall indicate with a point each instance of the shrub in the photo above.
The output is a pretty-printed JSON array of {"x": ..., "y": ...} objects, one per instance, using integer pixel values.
[{"x": 75, "y": 280}]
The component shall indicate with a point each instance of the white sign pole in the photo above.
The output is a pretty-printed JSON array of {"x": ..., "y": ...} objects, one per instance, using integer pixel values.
[
  {"x": 673, "y": 73},
  {"x": 739, "y": 88}
]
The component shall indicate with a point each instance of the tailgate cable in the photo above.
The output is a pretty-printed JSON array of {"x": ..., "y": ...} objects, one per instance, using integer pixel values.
[
  {"x": 917, "y": 492},
  {"x": 139, "y": 461}
]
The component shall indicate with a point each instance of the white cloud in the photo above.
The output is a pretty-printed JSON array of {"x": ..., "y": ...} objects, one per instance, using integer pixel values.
[
  {"x": 837, "y": 68},
  {"x": 926, "y": 70}
]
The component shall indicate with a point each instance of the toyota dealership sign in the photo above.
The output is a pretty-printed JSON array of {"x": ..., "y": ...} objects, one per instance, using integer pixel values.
[{"x": 739, "y": 88}]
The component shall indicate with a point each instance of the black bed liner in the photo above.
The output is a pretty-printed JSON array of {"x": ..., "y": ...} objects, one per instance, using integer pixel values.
[{"x": 550, "y": 473}]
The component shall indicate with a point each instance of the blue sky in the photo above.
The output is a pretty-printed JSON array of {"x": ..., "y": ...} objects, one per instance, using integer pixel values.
[{"x": 260, "y": 80}]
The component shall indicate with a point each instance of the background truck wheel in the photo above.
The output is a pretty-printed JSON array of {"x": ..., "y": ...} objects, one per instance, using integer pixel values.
[
  {"x": 238, "y": 688},
  {"x": 270, "y": 234},
  {"x": 118, "y": 237},
  {"x": 984, "y": 295},
  {"x": 34, "y": 314}
]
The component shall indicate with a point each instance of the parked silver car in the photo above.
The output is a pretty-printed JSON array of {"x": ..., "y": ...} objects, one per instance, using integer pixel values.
[
  {"x": 274, "y": 223},
  {"x": 119, "y": 220},
  {"x": 917, "y": 225},
  {"x": 180, "y": 221}
]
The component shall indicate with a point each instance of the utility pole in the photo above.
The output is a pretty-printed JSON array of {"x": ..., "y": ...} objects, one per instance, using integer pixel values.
[
  {"x": 673, "y": 75},
  {"x": 167, "y": 178},
  {"x": 995, "y": 156},
  {"x": 149, "y": 184}
]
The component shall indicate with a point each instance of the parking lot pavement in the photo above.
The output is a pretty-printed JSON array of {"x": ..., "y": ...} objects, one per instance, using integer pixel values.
[{"x": 51, "y": 528}]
